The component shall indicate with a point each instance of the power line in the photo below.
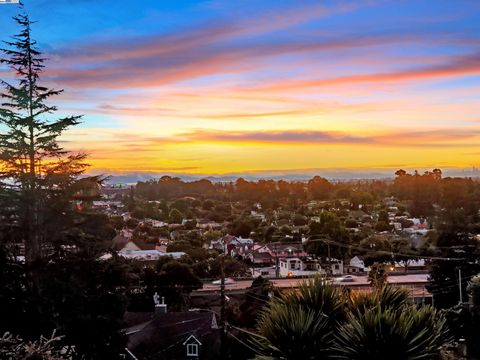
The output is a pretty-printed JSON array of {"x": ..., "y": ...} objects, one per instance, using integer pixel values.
[
  {"x": 386, "y": 252},
  {"x": 243, "y": 343}
]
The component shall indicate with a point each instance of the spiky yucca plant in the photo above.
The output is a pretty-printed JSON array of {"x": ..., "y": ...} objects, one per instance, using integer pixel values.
[
  {"x": 321, "y": 295},
  {"x": 301, "y": 325},
  {"x": 386, "y": 297},
  {"x": 400, "y": 332},
  {"x": 321, "y": 321},
  {"x": 295, "y": 333}
]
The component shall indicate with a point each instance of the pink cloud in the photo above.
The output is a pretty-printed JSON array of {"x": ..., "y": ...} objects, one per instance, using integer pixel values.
[
  {"x": 438, "y": 137},
  {"x": 457, "y": 66}
]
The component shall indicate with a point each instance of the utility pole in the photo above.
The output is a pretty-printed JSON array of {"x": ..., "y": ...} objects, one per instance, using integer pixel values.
[
  {"x": 253, "y": 259},
  {"x": 329, "y": 259},
  {"x": 222, "y": 309},
  {"x": 460, "y": 284},
  {"x": 222, "y": 305},
  {"x": 277, "y": 270}
]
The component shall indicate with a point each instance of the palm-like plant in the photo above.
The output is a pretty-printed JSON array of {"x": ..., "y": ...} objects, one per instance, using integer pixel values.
[
  {"x": 295, "y": 333},
  {"x": 321, "y": 321},
  {"x": 302, "y": 325},
  {"x": 385, "y": 297},
  {"x": 395, "y": 333},
  {"x": 384, "y": 324},
  {"x": 320, "y": 295}
]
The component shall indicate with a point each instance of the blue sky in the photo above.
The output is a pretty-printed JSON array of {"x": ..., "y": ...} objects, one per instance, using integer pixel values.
[{"x": 232, "y": 86}]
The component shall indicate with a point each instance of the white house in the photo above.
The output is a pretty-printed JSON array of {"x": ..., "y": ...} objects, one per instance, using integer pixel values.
[
  {"x": 156, "y": 223},
  {"x": 337, "y": 267},
  {"x": 411, "y": 265},
  {"x": 265, "y": 272},
  {"x": 356, "y": 266},
  {"x": 100, "y": 204},
  {"x": 295, "y": 266}
]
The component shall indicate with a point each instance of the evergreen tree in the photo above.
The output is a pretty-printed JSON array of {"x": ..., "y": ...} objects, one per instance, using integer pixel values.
[
  {"x": 62, "y": 284},
  {"x": 37, "y": 175}
]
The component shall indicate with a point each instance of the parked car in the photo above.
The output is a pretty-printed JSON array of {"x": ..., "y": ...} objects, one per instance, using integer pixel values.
[
  {"x": 228, "y": 281},
  {"x": 346, "y": 278}
]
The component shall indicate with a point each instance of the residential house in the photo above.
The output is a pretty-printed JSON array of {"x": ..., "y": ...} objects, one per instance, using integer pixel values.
[
  {"x": 296, "y": 266},
  {"x": 125, "y": 242},
  {"x": 337, "y": 267},
  {"x": 100, "y": 205},
  {"x": 356, "y": 266},
  {"x": 259, "y": 259},
  {"x": 172, "y": 335},
  {"x": 411, "y": 265},
  {"x": 283, "y": 250},
  {"x": 265, "y": 272},
  {"x": 155, "y": 223},
  {"x": 211, "y": 225},
  {"x": 239, "y": 246},
  {"x": 307, "y": 266},
  {"x": 217, "y": 245}
]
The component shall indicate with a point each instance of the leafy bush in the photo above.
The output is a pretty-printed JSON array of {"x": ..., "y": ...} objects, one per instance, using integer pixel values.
[{"x": 14, "y": 348}]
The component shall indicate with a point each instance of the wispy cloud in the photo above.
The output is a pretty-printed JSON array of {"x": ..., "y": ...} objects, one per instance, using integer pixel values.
[
  {"x": 286, "y": 137},
  {"x": 251, "y": 89},
  {"x": 440, "y": 137},
  {"x": 236, "y": 46},
  {"x": 457, "y": 66}
]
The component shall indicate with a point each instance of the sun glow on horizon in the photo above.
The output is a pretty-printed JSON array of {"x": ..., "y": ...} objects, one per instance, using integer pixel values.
[{"x": 290, "y": 86}]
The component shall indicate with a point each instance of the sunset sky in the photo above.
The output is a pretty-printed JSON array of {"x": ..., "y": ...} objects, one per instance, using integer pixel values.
[{"x": 215, "y": 87}]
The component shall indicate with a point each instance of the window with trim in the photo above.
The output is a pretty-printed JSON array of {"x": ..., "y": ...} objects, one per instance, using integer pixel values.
[{"x": 192, "y": 349}]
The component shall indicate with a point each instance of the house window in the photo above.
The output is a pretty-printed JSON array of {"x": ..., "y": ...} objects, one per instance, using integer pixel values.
[{"x": 192, "y": 350}]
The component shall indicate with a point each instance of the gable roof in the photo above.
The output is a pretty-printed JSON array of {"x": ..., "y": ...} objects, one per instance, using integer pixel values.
[
  {"x": 143, "y": 245},
  {"x": 241, "y": 240},
  {"x": 191, "y": 337},
  {"x": 135, "y": 321},
  {"x": 166, "y": 331},
  {"x": 119, "y": 242},
  {"x": 260, "y": 255},
  {"x": 281, "y": 247}
]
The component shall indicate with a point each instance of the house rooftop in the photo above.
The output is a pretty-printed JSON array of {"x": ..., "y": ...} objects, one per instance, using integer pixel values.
[{"x": 164, "y": 331}]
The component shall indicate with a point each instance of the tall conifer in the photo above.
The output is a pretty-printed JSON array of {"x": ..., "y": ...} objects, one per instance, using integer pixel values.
[{"x": 36, "y": 173}]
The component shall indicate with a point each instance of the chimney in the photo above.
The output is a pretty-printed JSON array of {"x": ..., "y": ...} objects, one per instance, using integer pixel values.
[{"x": 161, "y": 308}]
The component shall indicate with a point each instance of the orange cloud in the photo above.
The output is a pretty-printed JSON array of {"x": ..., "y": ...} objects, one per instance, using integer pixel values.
[
  {"x": 158, "y": 61},
  {"x": 441, "y": 137},
  {"x": 460, "y": 65}
]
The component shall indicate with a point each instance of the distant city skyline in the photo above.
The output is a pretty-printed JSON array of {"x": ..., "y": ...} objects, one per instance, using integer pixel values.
[{"x": 221, "y": 87}]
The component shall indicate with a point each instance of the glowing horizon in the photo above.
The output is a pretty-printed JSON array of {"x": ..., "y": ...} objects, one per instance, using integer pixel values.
[{"x": 217, "y": 87}]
